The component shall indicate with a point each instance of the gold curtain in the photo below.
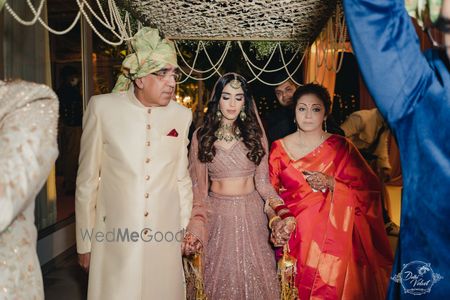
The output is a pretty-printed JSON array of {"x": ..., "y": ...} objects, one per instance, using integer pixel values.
[{"x": 318, "y": 69}]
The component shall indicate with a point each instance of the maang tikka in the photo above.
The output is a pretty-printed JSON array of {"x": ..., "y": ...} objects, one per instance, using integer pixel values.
[{"x": 235, "y": 84}]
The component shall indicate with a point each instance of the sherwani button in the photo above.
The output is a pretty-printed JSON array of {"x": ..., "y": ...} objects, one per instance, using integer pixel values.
[
  {"x": 148, "y": 126},
  {"x": 147, "y": 160},
  {"x": 147, "y": 195},
  {"x": 147, "y": 177},
  {"x": 149, "y": 110},
  {"x": 146, "y": 214},
  {"x": 148, "y": 143}
]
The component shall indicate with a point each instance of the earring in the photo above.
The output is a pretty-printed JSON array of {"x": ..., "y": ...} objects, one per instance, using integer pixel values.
[
  {"x": 296, "y": 125},
  {"x": 237, "y": 132},
  {"x": 325, "y": 125},
  {"x": 243, "y": 115},
  {"x": 219, "y": 115}
]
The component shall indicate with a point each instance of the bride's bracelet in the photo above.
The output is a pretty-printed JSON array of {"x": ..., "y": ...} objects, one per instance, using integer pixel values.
[
  {"x": 285, "y": 214},
  {"x": 273, "y": 219},
  {"x": 275, "y": 201}
]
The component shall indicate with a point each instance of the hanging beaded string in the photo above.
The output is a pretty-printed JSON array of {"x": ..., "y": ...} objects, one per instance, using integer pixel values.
[{"x": 330, "y": 41}]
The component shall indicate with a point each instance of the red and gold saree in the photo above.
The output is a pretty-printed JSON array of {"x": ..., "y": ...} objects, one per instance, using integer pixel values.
[{"x": 340, "y": 243}]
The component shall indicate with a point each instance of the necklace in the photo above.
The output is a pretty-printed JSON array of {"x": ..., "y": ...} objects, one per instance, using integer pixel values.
[{"x": 227, "y": 133}]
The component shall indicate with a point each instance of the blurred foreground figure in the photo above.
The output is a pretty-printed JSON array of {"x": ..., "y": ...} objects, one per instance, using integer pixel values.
[
  {"x": 412, "y": 91},
  {"x": 28, "y": 150}
]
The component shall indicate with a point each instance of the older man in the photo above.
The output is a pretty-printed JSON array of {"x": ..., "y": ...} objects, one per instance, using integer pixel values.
[
  {"x": 134, "y": 195},
  {"x": 412, "y": 91}
]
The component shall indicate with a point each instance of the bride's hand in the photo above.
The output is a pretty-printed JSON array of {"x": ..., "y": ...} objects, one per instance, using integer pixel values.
[
  {"x": 281, "y": 231},
  {"x": 190, "y": 245}
]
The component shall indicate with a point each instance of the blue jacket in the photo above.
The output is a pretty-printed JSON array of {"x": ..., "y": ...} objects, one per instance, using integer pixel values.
[{"x": 412, "y": 91}]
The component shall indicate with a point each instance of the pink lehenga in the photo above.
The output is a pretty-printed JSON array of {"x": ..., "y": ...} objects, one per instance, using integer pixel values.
[{"x": 238, "y": 260}]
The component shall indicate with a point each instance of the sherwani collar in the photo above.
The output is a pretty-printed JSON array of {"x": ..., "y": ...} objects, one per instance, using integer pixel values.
[{"x": 135, "y": 101}]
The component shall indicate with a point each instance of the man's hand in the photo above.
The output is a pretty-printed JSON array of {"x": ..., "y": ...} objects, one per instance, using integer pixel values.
[{"x": 84, "y": 260}]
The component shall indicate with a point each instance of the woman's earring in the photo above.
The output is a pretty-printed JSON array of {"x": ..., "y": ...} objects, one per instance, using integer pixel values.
[
  {"x": 325, "y": 125},
  {"x": 219, "y": 115},
  {"x": 243, "y": 115}
]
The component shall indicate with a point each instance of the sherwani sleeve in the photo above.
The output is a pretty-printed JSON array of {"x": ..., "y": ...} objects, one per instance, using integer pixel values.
[
  {"x": 28, "y": 150},
  {"x": 88, "y": 178},
  {"x": 184, "y": 180},
  {"x": 389, "y": 55}
]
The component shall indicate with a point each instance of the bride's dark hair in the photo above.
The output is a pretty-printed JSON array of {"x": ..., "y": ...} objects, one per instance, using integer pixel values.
[{"x": 251, "y": 132}]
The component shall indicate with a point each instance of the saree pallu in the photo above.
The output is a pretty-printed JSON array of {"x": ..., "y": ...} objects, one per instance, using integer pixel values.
[
  {"x": 239, "y": 262},
  {"x": 340, "y": 243}
]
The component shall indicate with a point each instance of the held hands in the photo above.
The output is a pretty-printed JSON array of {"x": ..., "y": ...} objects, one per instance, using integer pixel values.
[
  {"x": 319, "y": 181},
  {"x": 84, "y": 260},
  {"x": 190, "y": 245},
  {"x": 282, "y": 230}
]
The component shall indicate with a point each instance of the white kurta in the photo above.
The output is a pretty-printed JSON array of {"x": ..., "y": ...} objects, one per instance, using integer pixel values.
[
  {"x": 28, "y": 150},
  {"x": 133, "y": 177}
]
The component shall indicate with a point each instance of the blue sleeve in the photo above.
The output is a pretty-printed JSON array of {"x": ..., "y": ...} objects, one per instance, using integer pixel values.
[{"x": 389, "y": 56}]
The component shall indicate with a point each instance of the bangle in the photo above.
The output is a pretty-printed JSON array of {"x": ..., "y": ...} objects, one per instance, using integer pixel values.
[
  {"x": 274, "y": 202},
  {"x": 286, "y": 215},
  {"x": 273, "y": 219},
  {"x": 280, "y": 207}
]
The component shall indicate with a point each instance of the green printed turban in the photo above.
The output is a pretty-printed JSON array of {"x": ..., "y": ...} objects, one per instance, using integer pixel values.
[
  {"x": 419, "y": 9},
  {"x": 151, "y": 53}
]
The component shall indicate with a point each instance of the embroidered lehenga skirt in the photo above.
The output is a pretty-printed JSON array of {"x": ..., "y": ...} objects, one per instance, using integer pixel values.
[{"x": 239, "y": 261}]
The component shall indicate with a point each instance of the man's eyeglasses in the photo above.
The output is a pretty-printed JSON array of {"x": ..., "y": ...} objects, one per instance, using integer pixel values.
[{"x": 166, "y": 74}]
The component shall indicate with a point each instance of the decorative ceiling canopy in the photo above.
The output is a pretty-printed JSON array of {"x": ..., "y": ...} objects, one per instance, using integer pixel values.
[{"x": 274, "y": 20}]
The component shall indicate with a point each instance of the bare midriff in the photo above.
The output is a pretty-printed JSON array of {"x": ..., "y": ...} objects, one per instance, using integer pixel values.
[{"x": 233, "y": 186}]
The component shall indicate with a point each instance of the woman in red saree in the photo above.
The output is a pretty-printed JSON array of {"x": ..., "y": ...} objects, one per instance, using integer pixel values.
[{"x": 340, "y": 244}]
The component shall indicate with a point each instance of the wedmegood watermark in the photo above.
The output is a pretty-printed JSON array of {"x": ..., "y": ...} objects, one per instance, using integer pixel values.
[
  {"x": 417, "y": 278},
  {"x": 125, "y": 235}
]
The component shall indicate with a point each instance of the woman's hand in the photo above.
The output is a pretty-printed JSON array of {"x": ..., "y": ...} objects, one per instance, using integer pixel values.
[
  {"x": 281, "y": 231},
  {"x": 190, "y": 245},
  {"x": 319, "y": 181}
]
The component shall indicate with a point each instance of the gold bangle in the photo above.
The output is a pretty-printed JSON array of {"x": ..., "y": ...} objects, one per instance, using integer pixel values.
[
  {"x": 274, "y": 202},
  {"x": 273, "y": 220}
]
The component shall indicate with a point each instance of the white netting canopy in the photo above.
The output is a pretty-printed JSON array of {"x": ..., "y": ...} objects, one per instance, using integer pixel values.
[{"x": 275, "y": 20}]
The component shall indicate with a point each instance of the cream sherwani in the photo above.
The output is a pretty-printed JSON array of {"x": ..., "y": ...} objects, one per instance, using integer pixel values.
[
  {"x": 28, "y": 150},
  {"x": 134, "y": 194}
]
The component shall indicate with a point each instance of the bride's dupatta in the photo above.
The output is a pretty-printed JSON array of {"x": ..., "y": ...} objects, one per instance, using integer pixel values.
[
  {"x": 340, "y": 244},
  {"x": 194, "y": 265}
]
